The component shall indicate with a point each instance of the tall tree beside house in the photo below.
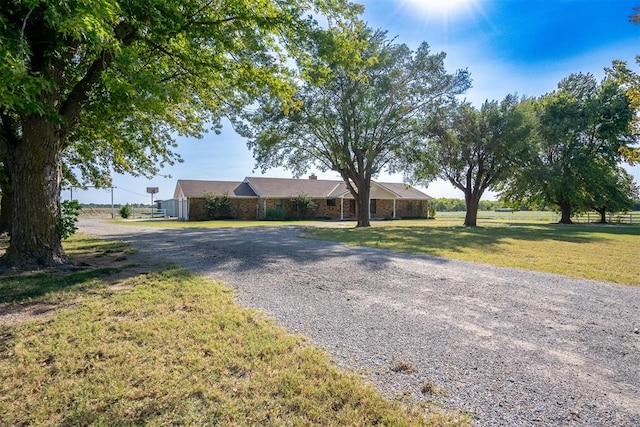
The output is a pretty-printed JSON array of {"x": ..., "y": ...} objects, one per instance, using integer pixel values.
[
  {"x": 585, "y": 126},
  {"x": 93, "y": 87},
  {"x": 475, "y": 149},
  {"x": 361, "y": 97}
]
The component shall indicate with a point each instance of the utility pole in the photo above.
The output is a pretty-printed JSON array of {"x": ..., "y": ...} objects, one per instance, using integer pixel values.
[{"x": 113, "y": 214}]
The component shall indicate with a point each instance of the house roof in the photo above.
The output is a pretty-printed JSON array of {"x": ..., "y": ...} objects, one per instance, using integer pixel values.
[
  {"x": 195, "y": 188},
  {"x": 284, "y": 187},
  {"x": 404, "y": 191},
  {"x": 288, "y": 188}
]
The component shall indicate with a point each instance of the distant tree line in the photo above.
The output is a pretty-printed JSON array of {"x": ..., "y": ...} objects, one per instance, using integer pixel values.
[{"x": 444, "y": 204}]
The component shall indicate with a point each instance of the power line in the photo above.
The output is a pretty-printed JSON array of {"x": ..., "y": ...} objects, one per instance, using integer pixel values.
[{"x": 132, "y": 192}]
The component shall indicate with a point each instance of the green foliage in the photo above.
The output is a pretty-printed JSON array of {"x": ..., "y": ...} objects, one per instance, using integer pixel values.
[
  {"x": 109, "y": 85},
  {"x": 70, "y": 210},
  {"x": 629, "y": 81},
  {"x": 218, "y": 207},
  {"x": 474, "y": 149},
  {"x": 615, "y": 192},
  {"x": 432, "y": 211},
  {"x": 302, "y": 206},
  {"x": 584, "y": 127},
  {"x": 275, "y": 214},
  {"x": 130, "y": 74},
  {"x": 360, "y": 99},
  {"x": 125, "y": 211}
]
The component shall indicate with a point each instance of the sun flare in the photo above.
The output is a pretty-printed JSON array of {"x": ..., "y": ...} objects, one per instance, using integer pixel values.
[{"x": 441, "y": 8}]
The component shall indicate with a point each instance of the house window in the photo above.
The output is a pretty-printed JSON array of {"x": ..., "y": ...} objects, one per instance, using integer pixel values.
[
  {"x": 331, "y": 202},
  {"x": 279, "y": 204},
  {"x": 372, "y": 205}
]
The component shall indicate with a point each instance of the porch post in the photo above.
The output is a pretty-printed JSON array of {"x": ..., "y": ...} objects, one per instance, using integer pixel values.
[
  {"x": 394, "y": 208},
  {"x": 341, "y": 208}
]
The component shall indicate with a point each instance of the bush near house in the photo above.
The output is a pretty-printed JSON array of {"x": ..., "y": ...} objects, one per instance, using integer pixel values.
[
  {"x": 302, "y": 206},
  {"x": 218, "y": 207}
]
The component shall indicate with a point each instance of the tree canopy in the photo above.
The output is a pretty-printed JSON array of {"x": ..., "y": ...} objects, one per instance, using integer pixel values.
[
  {"x": 87, "y": 88},
  {"x": 360, "y": 98},
  {"x": 585, "y": 126},
  {"x": 475, "y": 149}
]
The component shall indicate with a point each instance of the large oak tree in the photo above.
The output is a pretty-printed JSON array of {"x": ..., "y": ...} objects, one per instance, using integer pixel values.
[
  {"x": 360, "y": 99},
  {"x": 97, "y": 86}
]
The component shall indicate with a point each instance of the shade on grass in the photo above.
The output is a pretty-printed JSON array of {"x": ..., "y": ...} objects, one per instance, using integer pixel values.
[{"x": 606, "y": 253}]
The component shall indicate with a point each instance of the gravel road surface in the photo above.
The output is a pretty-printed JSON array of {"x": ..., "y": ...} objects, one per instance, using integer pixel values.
[{"x": 513, "y": 347}]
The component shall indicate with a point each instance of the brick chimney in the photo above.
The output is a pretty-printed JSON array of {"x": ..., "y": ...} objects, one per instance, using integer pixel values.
[{"x": 313, "y": 176}]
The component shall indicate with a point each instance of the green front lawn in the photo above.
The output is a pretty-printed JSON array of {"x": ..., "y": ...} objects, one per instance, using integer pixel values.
[{"x": 599, "y": 252}]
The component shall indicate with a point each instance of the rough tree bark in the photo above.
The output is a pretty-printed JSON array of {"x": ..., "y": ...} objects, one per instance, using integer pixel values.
[
  {"x": 6, "y": 203},
  {"x": 603, "y": 215},
  {"x": 35, "y": 163},
  {"x": 362, "y": 206},
  {"x": 472, "y": 200},
  {"x": 565, "y": 213},
  {"x": 358, "y": 182}
]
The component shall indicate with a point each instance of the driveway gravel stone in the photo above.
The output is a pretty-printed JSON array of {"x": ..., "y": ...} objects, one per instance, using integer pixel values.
[{"x": 512, "y": 347}]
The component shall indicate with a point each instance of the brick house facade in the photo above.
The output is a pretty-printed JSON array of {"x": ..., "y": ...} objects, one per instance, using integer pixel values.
[{"x": 256, "y": 197}]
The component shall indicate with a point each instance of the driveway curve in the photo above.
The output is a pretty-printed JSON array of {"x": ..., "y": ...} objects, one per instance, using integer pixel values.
[{"x": 512, "y": 347}]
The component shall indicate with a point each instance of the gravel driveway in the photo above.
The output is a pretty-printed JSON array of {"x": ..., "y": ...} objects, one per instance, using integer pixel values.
[{"x": 513, "y": 347}]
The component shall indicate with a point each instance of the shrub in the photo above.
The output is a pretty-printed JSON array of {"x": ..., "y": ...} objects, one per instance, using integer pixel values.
[
  {"x": 125, "y": 211},
  {"x": 218, "y": 207},
  {"x": 432, "y": 212},
  {"x": 303, "y": 205},
  {"x": 275, "y": 214},
  {"x": 70, "y": 209}
]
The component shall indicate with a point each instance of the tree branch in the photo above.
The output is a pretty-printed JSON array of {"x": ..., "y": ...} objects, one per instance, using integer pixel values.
[{"x": 79, "y": 95}]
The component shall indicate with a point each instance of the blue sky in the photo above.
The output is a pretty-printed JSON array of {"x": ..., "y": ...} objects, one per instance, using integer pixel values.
[{"x": 508, "y": 46}]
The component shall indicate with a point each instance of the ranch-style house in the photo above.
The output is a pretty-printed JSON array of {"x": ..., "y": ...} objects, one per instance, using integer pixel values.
[{"x": 252, "y": 198}]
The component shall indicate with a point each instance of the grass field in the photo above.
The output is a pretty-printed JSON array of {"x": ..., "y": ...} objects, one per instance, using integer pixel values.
[
  {"x": 108, "y": 345},
  {"x": 599, "y": 252}
]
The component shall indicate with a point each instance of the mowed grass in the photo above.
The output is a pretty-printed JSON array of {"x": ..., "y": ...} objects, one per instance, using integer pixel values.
[
  {"x": 599, "y": 252},
  {"x": 171, "y": 349}
]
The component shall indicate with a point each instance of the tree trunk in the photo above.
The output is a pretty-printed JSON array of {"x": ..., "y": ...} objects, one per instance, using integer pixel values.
[
  {"x": 603, "y": 215},
  {"x": 565, "y": 211},
  {"x": 6, "y": 203},
  {"x": 35, "y": 168},
  {"x": 471, "y": 201},
  {"x": 362, "y": 206}
]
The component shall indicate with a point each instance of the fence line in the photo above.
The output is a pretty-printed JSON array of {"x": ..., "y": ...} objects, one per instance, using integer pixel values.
[
  {"x": 149, "y": 213},
  {"x": 547, "y": 216}
]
